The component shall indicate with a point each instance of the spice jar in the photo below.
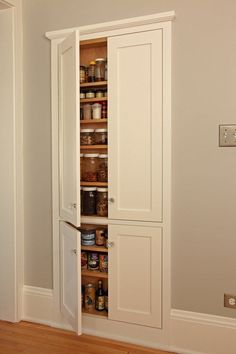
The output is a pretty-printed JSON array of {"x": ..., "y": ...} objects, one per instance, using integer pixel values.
[
  {"x": 89, "y": 200},
  {"x": 102, "y": 171},
  {"x": 99, "y": 94},
  {"x": 100, "y": 136},
  {"x": 102, "y": 202},
  {"x": 82, "y": 74},
  {"x": 82, "y": 95},
  {"x": 91, "y": 71},
  {"x": 97, "y": 110},
  {"x": 89, "y": 297},
  {"x": 90, "y": 94},
  {"x": 87, "y": 111},
  {"x": 89, "y": 173},
  {"x": 99, "y": 69},
  {"x": 87, "y": 137}
]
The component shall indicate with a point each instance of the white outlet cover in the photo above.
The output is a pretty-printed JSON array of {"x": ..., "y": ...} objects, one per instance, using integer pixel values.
[
  {"x": 232, "y": 301},
  {"x": 227, "y": 135}
]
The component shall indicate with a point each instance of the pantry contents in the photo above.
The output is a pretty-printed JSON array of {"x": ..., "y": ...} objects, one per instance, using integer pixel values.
[
  {"x": 91, "y": 71},
  {"x": 97, "y": 110},
  {"x": 102, "y": 168},
  {"x": 87, "y": 137},
  {"x": 100, "y": 69},
  {"x": 82, "y": 74},
  {"x": 89, "y": 200},
  {"x": 100, "y": 297},
  {"x": 100, "y": 236},
  {"x": 84, "y": 260},
  {"x": 87, "y": 111},
  {"x": 106, "y": 300},
  {"x": 103, "y": 263},
  {"x": 94, "y": 296},
  {"x": 100, "y": 136},
  {"x": 88, "y": 235},
  {"x": 89, "y": 172},
  {"x": 102, "y": 202},
  {"x": 89, "y": 296},
  {"x": 93, "y": 261}
]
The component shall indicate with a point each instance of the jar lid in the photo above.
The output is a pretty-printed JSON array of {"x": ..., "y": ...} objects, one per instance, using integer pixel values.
[
  {"x": 102, "y": 189},
  {"x": 92, "y": 62},
  {"x": 101, "y": 130},
  {"x": 91, "y": 155},
  {"x": 89, "y": 189},
  {"x": 103, "y": 156},
  {"x": 89, "y": 286},
  {"x": 99, "y": 59},
  {"x": 87, "y": 130},
  {"x": 96, "y": 105}
]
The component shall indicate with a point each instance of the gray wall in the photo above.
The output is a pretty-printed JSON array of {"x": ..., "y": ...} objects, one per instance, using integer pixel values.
[{"x": 204, "y": 175}]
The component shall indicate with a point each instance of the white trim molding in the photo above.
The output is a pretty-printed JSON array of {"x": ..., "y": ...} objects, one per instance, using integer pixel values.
[{"x": 198, "y": 333}]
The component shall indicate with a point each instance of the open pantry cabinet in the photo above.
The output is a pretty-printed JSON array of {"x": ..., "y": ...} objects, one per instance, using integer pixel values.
[{"x": 128, "y": 204}]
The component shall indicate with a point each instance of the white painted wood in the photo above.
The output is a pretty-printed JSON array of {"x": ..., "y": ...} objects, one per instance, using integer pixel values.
[
  {"x": 122, "y": 25},
  {"x": 135, "y": 275},
  {"x": 135, "y": 89},
  {"x": 70, "y": 275},
  {"x": 11, "y": 186},
  {"x": 69, "y": 129}
]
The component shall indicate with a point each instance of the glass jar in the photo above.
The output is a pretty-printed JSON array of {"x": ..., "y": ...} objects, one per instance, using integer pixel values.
[
  {"x": 89, "y": 297},
  {"x": 89, "y": 200},
  {"x": 81, "y": 165},
  {"x": 87, "y": 111},
  {"x": 87, "y": 137},
  {"x": 82, "y": 74},
  {"x": 90, "y": 94},
  {"x": 91, "y": 71},
  {"x": 90, "y": 165},
  {"x": 99, "y": 94},
  {"x": 97, "y": 110},
  {"x": 102, "y": 168},
  {"x": 102, "y": 202},
  {"x": 100, "y": 69},
  {"x": 100, "y": 136}
]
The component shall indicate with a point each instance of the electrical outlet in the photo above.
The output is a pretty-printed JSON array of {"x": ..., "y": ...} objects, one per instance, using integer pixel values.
[
  {"x": 227, "y": 135},
  {"x": 230, "y": 301}
]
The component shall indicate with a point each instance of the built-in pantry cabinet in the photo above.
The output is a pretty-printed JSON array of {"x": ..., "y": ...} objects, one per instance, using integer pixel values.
[{"x": 138, "y": 149}]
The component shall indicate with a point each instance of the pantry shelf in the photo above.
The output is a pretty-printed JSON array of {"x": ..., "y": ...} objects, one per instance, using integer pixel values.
[
  {"x": 94, "y": 184},
  {"x": 94, "y": 248},
  {"x": 96, "y": 99},
  {"x": 94, "y": 84},
  {"x": 94, "y": 220},
  {"x": 93, "y": 147},
  {"x": 95, "y": 312},
  {"x": 95, "y": 274},
  {"x": 93, "y": 121}
]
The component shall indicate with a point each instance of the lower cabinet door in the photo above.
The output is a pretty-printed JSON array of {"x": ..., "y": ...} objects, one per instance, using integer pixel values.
[
  {"x": 135, "y": 274},
  {"x": 70, "y": 275}
]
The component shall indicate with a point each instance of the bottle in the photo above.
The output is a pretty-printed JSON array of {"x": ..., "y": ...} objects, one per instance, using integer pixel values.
[{"x": 100, "y": 297}]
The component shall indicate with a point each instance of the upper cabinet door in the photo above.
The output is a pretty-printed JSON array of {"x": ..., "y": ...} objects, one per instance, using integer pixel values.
[
  {"x": 69, "y": 129},
  {"x": 135, "y": 126},
  {"x": 70, "y": 275}
]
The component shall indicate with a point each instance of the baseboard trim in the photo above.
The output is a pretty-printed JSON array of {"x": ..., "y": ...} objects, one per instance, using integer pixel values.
[{"x": 198, "y": 333}]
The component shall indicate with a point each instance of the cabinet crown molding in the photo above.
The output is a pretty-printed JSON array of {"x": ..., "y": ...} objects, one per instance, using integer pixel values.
[{"x": 114, "y": 25}]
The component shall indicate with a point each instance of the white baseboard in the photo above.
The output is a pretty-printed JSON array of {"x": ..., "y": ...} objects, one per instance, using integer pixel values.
[
  {"x": 190, "y": 332},
  {"x": 197, "y": 333}
]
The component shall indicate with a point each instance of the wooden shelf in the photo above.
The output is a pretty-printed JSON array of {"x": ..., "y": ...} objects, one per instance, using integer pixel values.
[
  {"x": 93, "y": 147},
  {"x": 95, "y": 312},
  {"x": 93, "y": 42},
  {"x": 94, "y": 84},
  {"x": 94, "y": 184},
  {"x": 93, "y": 273},
  {"x": 93, "y": 121},
  {"x": 96, "y": 99},
  {"x": 94, "y": 220},
  {"x": 94, "y": 248}
]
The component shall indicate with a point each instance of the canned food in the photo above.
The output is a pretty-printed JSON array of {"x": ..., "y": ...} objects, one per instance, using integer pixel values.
[
  {"x": 89, "y": 297},
  {"x": 100, "y": 236},
  {"x": 93, "y": 261},
  {"x": 103, "y": 263},
  {"x": 88, "y": 234},
  {"x": 84, "y": 260},
  {"x": 87, "y": 242}
]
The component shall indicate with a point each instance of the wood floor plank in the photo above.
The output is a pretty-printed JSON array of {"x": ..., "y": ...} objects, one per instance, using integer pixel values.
[{"x": 29, "y": 338}]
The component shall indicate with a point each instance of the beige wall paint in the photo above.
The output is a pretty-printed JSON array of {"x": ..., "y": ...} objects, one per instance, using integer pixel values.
[{"x": 204, "y": 175}]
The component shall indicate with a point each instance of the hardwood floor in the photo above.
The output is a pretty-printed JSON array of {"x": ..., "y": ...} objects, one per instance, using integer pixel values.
[{"x": 29, "y": 338}]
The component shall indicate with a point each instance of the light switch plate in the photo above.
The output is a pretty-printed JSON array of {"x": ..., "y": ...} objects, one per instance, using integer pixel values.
[{"x": 227, "y": 135}]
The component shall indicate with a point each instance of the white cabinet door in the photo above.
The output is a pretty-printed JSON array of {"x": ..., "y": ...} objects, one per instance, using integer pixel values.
[
  {"x": 135, "y": 126},
  {"x": 69, "y": 129},
  {"x": 70, "y": 275},
  {"x": 135, "y": 275}
]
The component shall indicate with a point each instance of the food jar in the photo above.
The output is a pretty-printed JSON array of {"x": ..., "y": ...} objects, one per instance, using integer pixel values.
[
  {"x": 81, "y": 165},
  {"x": 88, "y": 233},
  {"x": 90, "y": 165},
  {"x": 89, "y": 200},
  {"x": 87, "y": 137},
  {"x": 100, "y": 69},
  {"x": 99, "y": 94},
  {"x": 102, "y": 202},
  {"x": 87, "y": 111},
  {"x": 90, "y": 94},
  {"x": 93, "y": 261},
  {"x": 100, "y": 236},
  {"x": 82, "y": 95},
  {"x": 104, "y": 109},
  {"x": 102, "y": 168},
  {"x": 97, "y": 110},
  {"x": 89, "y": 297},
  {"x": 91, "y": 71},
  {"x": 100, "y": 136},
  {"x": 84, "y": 260},
  {"x": 82, "y": 74},
  {"x": 103, "y": 263}
]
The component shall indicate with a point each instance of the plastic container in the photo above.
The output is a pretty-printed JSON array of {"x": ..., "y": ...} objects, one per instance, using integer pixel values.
[
  {"x": 97, "y": 110},
  {"x": 100, "y": 69},
  {"x": 90, "y": 166},
  {"x": 100, "y": 136},
  {"x": 89, "y": 200},
  {"x": 87, "y": 111},
  {"x": 102, "y": 202},
  {"x": 87, "y": 137},
  {"x": 102, "y": 170}
]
